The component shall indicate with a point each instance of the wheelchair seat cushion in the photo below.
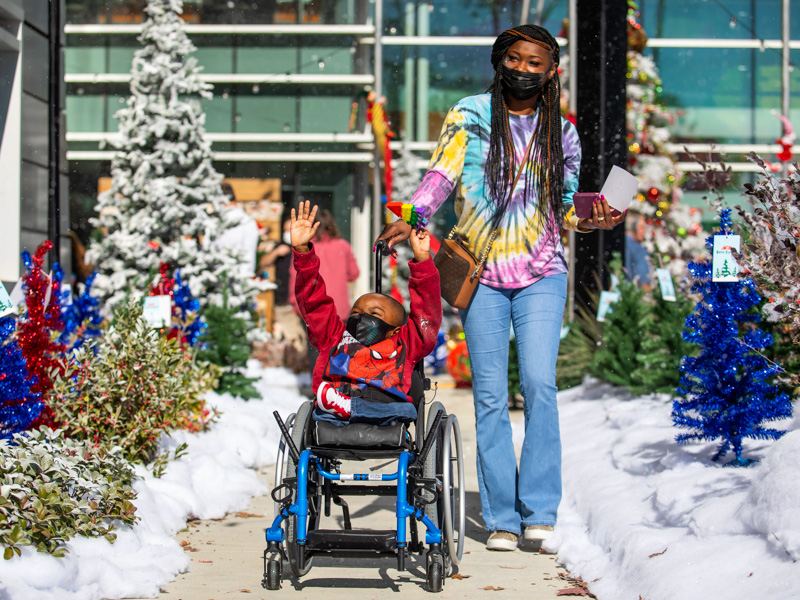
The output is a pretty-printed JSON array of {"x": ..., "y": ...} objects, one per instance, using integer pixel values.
[{"x": 361, "y": 435}]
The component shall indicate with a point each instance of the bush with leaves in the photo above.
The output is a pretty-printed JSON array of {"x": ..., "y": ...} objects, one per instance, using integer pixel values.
[
  {"x": 53, "y": 489},
  {"x": 138, "y": 386}
]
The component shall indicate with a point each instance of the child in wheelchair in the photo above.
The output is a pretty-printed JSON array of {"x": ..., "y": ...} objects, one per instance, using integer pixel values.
[{"x": 363, "y": 373}]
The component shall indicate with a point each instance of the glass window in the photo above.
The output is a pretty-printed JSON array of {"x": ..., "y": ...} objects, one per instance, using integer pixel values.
[
  {"x": 468, "y": 17},
  {"x": 218, "y": 11},
  {"x": 731, "y": 19}
]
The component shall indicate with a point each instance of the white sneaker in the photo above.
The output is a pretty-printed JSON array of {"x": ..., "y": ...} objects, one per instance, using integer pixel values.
[
  {"x": 504, "y": 541},
  {"x": 331, "y": 401},
  {"x": 538, "y": 533}
]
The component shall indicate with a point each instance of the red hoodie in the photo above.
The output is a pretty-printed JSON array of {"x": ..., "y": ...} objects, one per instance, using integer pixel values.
[{"x": 386, "y": 365}]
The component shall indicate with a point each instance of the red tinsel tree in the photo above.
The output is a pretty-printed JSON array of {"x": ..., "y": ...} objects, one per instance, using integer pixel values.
[{"x": 38, "y": 329}]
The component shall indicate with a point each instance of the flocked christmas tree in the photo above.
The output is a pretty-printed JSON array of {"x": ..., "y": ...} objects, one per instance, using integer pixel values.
[
  {"x": 726, "y": 391},
  {"x": 674, "y": 229},
  {"x": 165, "y": 204}
]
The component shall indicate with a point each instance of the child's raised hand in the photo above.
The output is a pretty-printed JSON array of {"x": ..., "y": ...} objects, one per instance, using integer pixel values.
[
  {"x": 303, "y": 226},
  {"x": 420, "y": 241}
]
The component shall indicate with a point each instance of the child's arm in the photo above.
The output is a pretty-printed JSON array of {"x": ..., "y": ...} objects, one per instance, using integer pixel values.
[
  {"x": 316, "y": 307},
  {"x": 426, "y": 302}
]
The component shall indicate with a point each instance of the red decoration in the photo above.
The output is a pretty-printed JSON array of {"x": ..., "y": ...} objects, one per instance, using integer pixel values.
[
  {"x": 35, "y": 331},
  {"x": 165, "y": 285},
  {"x": 458, "y": 364}
]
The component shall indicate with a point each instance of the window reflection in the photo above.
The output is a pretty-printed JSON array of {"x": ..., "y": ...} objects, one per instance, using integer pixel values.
[{"x": 216, "y": 11}]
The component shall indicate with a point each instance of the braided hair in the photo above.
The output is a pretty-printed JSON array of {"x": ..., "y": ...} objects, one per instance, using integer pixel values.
[{"x": 548, "y": 181}]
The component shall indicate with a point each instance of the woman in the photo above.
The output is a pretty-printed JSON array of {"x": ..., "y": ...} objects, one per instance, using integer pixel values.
[{"x": 524, "y": 282}]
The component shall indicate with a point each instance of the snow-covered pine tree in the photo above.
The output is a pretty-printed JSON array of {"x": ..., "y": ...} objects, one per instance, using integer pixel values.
[
  {"x": 404, "y": 183},
  {"x": 165, "y": 204}
]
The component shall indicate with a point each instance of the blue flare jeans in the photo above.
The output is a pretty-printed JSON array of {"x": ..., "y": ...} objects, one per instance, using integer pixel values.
[{"x": 513, "y": 498}]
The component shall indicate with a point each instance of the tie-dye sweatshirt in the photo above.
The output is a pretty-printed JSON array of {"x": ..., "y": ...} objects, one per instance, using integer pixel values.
[{"x": 524, "y": 250}]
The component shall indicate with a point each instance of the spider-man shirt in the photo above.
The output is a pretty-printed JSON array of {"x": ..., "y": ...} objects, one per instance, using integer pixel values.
[{"x": 386, "y": 365}]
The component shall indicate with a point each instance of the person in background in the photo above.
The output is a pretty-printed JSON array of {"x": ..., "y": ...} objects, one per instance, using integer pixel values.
[
  {"x": 637, "y": 259},
  {"x": 243, "y": 236}
]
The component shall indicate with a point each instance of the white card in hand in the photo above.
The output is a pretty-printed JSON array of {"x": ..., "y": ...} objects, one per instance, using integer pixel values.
[{"x": 620, "y": 188}]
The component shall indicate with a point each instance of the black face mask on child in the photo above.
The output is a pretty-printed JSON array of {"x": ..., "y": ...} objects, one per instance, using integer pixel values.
[
  {"x": 368, "y": 329},
  {"x": 522, "y": 85}
]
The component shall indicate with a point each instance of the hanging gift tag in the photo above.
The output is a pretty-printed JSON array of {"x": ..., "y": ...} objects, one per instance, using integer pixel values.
[
  {"x": 66, "y": 294},
  {"x": 604, "y": 306},
  {"x": 723, "y": 266},
  {"x": 157, "y": 311},
  {"x": 6, "y": 306},
  {"x": 564, "y": 331},
  {"x": 49, "y": 291},
  {"x": 17, "y": 294},
  {"x": 614, "y": 282},
  {"x": 667, "y": 287}
]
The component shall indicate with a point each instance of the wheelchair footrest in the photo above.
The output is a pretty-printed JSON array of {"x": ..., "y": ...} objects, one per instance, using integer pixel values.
[{"x": 331, "y": 540}]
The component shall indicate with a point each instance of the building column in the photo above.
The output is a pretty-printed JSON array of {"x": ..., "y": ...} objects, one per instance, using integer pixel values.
[{"x": 601, "y": 65}]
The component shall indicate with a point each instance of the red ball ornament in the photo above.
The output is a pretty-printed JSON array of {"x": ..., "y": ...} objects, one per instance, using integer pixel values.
[{"x": 652, "y": 194}]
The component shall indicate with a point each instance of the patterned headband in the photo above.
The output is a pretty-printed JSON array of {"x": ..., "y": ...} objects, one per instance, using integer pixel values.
[{"x": 528, "y": 38}]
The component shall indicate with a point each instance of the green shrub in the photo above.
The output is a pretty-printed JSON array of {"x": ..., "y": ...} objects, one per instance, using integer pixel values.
[
  {"x": 52, "y": 489},
  {"x": 137, "y": 386}
]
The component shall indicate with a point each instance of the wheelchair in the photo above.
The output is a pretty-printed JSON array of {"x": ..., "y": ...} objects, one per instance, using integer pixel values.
[{"x": 428, "y": 485}]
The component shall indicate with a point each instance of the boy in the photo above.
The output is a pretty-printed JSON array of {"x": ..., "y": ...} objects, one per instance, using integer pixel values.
[{"x": 364, "y": 368}]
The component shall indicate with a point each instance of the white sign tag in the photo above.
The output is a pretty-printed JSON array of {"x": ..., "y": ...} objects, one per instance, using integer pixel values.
[
  {"x": 620, "y": 188},
  {"x": 6, "y": 306},
  {"x": 604, "y": 306},
  {"x": 17, "y": 294},
  {"x": 157, "y": 311},
  {"x": 667, "y": 287},
  {"x": 723, "y": 265}
]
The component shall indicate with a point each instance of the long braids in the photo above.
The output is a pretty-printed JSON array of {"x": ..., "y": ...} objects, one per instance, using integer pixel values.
[{"x": 547, "y": 151}]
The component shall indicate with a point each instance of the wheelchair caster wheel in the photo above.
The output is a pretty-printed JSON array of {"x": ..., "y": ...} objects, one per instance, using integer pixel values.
[
  {"x": 272, "y": 578},
  {"x": 435, "y": 572}
]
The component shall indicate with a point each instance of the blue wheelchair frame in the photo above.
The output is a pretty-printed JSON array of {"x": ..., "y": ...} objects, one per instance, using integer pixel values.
[{"x": 403, "y": 510}]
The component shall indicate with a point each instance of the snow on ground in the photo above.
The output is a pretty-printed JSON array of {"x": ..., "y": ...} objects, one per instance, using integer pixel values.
[
  {"x": 644, "y": 517},
  {"x": 216, "y": 477}
]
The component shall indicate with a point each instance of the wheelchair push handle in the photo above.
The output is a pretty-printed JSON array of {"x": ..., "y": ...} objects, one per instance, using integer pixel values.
[{"x": 381, "y": 250}]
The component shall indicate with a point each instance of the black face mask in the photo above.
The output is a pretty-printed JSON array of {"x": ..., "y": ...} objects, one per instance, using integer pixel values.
[
  {"x": 520, "y": 84},
  {"x": 368, "y": 329}
]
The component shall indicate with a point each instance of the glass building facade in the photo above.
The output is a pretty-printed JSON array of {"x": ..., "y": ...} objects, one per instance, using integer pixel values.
[{"x": 285, "y": 75}]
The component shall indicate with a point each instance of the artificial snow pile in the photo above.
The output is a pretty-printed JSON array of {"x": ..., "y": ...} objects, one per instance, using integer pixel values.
[
  {"x": 645, "y": 518},
  {"x": 214, "y": 478}
]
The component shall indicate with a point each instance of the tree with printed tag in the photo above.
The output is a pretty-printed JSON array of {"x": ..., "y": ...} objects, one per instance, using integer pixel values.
[
  {"x": 165, "y": 204},
  {"x": 727, "y": 391}
]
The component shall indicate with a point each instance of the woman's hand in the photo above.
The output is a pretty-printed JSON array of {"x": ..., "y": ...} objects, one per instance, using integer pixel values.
[
  {"x": 303, "y": 226},
  {"x": 394, "y": 233},
  {"x": 601, "y": 216},
  {"x": 420, "y": 241}
]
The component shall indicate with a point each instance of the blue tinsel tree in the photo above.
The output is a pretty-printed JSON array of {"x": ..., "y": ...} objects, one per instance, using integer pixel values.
[
  {"x": 82, "y": 319},
  {"x": 19, "y": 406},
  {"x": 187, "y": 310},
  {"x": 725, "y": 392}
]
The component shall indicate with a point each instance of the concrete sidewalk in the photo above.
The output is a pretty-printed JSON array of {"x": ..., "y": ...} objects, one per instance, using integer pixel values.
[{"x": 226, "y": 554}]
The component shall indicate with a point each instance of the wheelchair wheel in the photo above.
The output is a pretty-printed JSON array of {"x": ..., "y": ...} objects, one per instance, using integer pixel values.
[
  {"x": 272, "y": 578},
  {"x": 434, "y": 571},
  {"x": 453, "y": 495},
  {"x": 299, "y": 563},
  {"x": 280, "y": 461},
  {"x": 429, "y": 469}
]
